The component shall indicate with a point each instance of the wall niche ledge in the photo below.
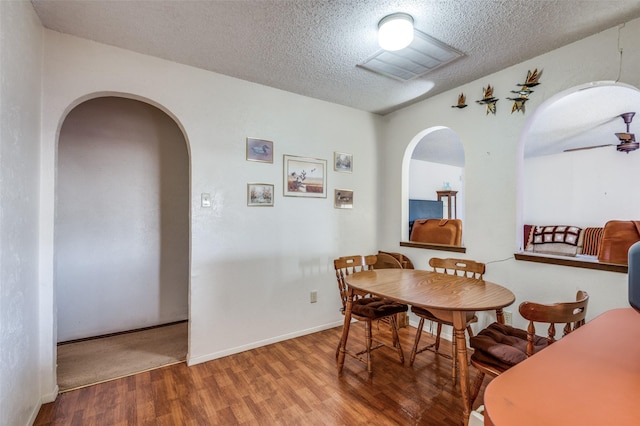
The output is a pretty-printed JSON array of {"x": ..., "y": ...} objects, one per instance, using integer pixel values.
[
  {"x": 587, "y": 263},
  {"x": 432, "y": 246}
]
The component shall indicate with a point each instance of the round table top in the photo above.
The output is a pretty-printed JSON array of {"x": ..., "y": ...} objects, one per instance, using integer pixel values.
[{"x": 432, "y": 290}]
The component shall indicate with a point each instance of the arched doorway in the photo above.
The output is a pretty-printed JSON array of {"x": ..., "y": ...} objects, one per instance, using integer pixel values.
[{"x": 121, "y": 236}]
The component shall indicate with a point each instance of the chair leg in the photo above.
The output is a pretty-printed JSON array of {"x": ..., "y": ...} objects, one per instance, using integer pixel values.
[
  {"x": 396, "y": 338},
  {"x": 437, "y": 346},
  {"x": 416, "y": 341},
  {"x": 368, "y": 339},
  {"x": 454, "y": 357}
]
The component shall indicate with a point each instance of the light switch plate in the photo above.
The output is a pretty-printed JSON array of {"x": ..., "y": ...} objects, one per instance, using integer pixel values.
[{"x": 205, "y": 199}]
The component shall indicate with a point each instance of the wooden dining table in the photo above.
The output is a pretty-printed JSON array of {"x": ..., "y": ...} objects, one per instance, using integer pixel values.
[{"x": 447, "y": 296}]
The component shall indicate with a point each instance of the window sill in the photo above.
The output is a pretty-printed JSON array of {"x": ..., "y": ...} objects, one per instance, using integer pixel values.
[
  {"x": 576, "y": 262},
  {"x": 431, "y": 246}
]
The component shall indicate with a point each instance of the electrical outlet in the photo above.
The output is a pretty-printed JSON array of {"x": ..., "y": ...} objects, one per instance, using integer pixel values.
[
  {"x": 313, "y": 296},
  {"x": 508, "y": 317}
]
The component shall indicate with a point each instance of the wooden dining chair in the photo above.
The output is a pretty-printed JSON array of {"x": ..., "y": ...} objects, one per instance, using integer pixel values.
[
  {"x": 404, "y": 261},
  {"x": 387, "y": 261},
  {"x": 499, "y": 347},
  {"x": 461, "y": 267},
  {"x": 367, "y": 308},
  {"x": 390, "y": 260}
]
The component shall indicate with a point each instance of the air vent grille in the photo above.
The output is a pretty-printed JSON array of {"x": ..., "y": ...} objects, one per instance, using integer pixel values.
[{"x": 422, "y": 56}]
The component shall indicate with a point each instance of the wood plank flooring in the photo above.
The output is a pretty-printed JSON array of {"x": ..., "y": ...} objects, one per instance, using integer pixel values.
[{"x": 294, "y": 382}]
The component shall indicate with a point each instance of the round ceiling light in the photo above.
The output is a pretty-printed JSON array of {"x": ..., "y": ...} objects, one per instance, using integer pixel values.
[{"x": 395, "y": 31}]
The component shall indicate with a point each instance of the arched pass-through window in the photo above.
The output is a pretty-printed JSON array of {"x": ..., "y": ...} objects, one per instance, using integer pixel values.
[
  {"x": 432, "y": 183},
  {"x": 571, "y": 171}
]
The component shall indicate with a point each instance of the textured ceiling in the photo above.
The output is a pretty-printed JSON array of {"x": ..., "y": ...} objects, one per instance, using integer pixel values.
[{"x": 312, "y": 47}]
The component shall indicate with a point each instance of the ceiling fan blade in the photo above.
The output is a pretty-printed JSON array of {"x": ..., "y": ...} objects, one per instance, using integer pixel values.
[{"x": 588, "y": 147}]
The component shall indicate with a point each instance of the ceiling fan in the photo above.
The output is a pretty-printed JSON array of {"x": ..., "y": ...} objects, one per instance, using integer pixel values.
[{"x": 627, "y": 140}]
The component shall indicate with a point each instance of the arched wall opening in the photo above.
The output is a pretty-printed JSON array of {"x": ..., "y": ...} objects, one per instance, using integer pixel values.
[
  {"x": 432, "y": 161},
  {"x": 121, "y": 231},
  {"x": 569, "y": 170}
]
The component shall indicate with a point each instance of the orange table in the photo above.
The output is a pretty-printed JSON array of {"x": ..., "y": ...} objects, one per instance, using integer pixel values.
[
  {"x": 590, "y": 377},
  {"x": 446, "y": 296}
]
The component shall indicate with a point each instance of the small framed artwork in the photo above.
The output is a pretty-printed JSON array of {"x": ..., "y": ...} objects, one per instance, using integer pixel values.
[
  {"x": 342, "y": 162},
  {"x": 343, "y": 199},
  {"x": 260, "y": 150},
  {"x": 259, "y": 195},
  {"x": 305, "y": 177}
]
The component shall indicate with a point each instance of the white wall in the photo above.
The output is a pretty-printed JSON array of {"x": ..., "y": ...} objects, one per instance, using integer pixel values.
[
  {"x": 586, "y": 188},
  {"x": 492, "y": 174},
  {"x": 122, "y": 219},
  {"x": 251, "y": 268},
  {"x": 20, "y": 67}
]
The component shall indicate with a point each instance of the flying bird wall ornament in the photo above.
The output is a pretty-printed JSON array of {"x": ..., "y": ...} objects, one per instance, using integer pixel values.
[
  {"x": 525, "y": 90},
  {"x": 461, "y": 102},
  {"x": 518, "y": 104},
  {"x": 532, "y": 78},
  {"x": 488, "y": 100}
]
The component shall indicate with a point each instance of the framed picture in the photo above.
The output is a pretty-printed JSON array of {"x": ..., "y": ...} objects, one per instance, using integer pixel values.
[
  {"x": 259, "y": 150},
  {"x": 259, "y": 195},
  {"x": 342, "y": 162},
  {"x": 305, "y": 177},
  {"x": 343, "y": 199}
]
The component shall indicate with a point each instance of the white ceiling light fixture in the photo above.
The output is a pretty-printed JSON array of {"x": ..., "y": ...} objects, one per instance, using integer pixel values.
[{"x": 395, "y": 31}]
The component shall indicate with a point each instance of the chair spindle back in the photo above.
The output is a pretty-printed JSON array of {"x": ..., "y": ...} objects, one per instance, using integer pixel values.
[
  {"x": 460, "y": 267},
  {"x": 348, "y": 265},
  {"x": 572, "y": 314}
]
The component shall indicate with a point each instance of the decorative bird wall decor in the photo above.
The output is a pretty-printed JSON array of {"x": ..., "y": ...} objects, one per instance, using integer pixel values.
[
  {"x": 461, "y": 102},
  {"x": 532, "y": 78},
  {"x": 518, "y": 104},
  {"x": 488, "y": 99},
  {"x": 525, "y": 90}
]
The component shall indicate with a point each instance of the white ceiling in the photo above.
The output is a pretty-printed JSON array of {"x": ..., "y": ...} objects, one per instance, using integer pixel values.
[{"x": 312, "y": 47}]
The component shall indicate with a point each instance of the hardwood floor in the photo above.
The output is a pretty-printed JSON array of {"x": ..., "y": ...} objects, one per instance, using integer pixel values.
[{"x": 294, "y": 382}]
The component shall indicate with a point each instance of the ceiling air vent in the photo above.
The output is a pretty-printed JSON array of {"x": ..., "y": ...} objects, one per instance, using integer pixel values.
[{"x": 423, "y": 55}]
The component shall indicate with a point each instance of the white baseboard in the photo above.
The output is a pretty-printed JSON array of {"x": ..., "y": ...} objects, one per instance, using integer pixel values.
[
  {"x": 44, "y": 399},
  {"x": 50, "y": 397},
  {"x": 209, "y": 357}
]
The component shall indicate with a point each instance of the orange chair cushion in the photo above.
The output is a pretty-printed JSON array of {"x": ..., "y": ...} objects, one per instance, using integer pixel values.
[{"x": 503, "y": 346}]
